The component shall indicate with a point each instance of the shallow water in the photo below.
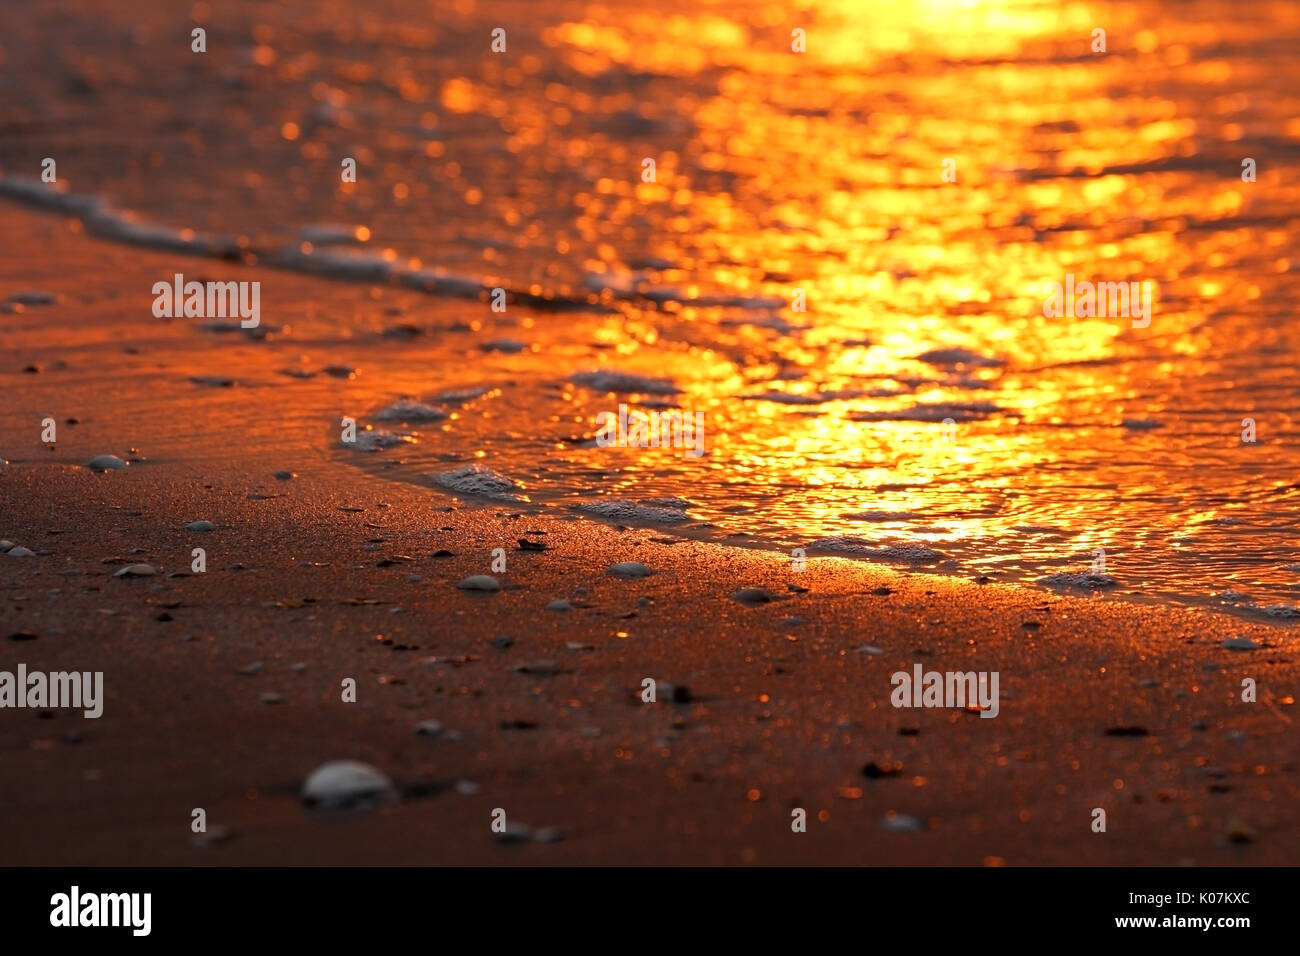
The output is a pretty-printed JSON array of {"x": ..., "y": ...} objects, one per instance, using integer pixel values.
[{"x": 776, "y": 172}]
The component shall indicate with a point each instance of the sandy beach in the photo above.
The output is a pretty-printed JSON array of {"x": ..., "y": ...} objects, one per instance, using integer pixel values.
[{"x": 784, "y": 704}]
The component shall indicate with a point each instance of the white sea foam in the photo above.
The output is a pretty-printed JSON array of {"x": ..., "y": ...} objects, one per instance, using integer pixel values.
[
  {"x": 479, "y": 481},
  {"x": 873, "y": 551},
  {"x": 1086, "y": 580},
  {"x": 629, "y": 511},
  {"x": 409, "y": 410}
]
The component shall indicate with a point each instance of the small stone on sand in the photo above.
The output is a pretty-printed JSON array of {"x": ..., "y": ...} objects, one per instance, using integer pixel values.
[
  {"x": 136, "y": 571},
  {"x": 630, "y": 569},
  {"x": 480, "y": 582},
  {"x": 513, "y": 833},
  {"x": 106, "y": 463},
  {"x": 35, "y": 297},
  {"x": 347, "y": 785},
  {"x": 901, "y": 823},
  {"x": 1240, "y": 644},
  {"x": 200, "y": 526}
]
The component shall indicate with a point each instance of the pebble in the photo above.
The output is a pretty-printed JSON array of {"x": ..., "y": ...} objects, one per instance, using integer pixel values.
[
  {"x": 200, "y": 526},
  {"x": 212, "y": 381},
  {"x": 106, "y": 463},
  {"x": 428, "y": 728},
  {"x": 630, "y": 569},
  {"x": 270, "y": 698},
  {"x": 1239, "y": 832},
  {"x": 35, "y": 297},
  {"x": 677, "y": 693},
  {"x": 901, "y": 823},
  {"x": 480, "y": 582},
  {"x": 136, "y": 571},
  {"x": 543, "y": 668},
  {"x": 285, "y": 475},
  {"x": 502, "y": 642},
  {"x": 5, "y": 545},
  {"x": 213, "y": 835},
  {"x": 752, "y": 596},
  {"x": 1240, "y": 644},
  {"x": 875, "y": 771},
  {"x": 346, "y": 785},
  {"x": 18, "y": 551},
  {"x": 559, "y": 605},
  {"x": 467, "y": 788},
  {"x": 513, "y": 833}
]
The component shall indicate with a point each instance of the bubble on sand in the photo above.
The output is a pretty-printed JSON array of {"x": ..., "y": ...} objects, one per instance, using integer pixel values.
[
  {"x": 480, "y": 481},
  {"x": 347, "y": 785}
]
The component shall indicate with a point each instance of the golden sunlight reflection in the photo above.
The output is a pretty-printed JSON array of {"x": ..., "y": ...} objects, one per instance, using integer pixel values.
[{"x": 840, "y": 258}]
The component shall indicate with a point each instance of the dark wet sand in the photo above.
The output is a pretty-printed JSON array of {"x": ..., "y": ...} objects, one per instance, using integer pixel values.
[
  {"x": 660, "y": 783},
  {"x": 782, "y": 715}
]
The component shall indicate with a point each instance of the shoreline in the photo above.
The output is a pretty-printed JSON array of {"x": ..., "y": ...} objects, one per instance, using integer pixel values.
[
  {"x": 776, "y": 714},
  {"x": 780, "y": 701}
]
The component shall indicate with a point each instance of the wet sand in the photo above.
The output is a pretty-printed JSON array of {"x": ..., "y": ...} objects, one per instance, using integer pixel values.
[{"x": 780, "y": 714}]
